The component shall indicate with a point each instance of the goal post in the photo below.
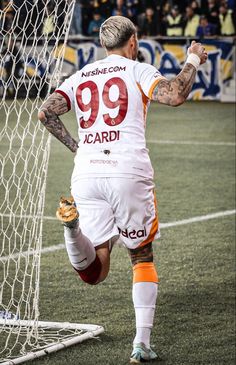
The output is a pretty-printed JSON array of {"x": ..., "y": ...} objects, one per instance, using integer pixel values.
[
  {"x": 53, "y": 336},
  {"x": 33, "y": 36}
]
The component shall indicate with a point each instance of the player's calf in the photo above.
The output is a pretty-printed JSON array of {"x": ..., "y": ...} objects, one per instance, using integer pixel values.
[
  {"x": 91, "y": 274},
  {"x": 99, "y": 268}
]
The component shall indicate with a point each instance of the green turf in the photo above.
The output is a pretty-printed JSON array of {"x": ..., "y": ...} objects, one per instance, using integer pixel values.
[
  {"x": 194, "y": 321},
  {"x": 195, "y": 313}
]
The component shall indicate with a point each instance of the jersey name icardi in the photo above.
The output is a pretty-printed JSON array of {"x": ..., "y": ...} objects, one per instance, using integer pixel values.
[
  {"x": 110, "y": 98},
  {"x": 102, "y": 137}
]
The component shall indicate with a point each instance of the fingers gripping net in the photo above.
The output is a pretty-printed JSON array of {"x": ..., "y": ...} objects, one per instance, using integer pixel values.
[{"x": 32, "y": 39}]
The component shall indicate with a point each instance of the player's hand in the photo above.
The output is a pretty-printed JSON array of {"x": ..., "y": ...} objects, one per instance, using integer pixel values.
[{"x": 199, "y": 50}]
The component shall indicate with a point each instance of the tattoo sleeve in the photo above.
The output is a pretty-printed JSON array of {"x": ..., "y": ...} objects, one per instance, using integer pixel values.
[
  {"x": 49, "y": 113},
  {"x": 175, "y": 91},
  {"x": 141, "y": 254}
]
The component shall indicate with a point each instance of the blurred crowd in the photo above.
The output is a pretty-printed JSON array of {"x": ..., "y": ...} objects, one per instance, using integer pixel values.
[
  {"x": 159, "y": 17},
  {"x": 153, "y": 18}
]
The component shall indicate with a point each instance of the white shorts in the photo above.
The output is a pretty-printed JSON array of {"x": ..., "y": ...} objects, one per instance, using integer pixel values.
[{"x": 117, "y": 207}]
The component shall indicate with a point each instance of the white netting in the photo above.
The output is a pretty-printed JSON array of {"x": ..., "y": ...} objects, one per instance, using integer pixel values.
[
  {"x": 33, "y": 34},
  {"x": 49, "y": 337}
]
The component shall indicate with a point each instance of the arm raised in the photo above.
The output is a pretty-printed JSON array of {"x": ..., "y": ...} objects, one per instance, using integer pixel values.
[
  {"x": 174, "y": 92},
  {"x": 49, "y": 113}
]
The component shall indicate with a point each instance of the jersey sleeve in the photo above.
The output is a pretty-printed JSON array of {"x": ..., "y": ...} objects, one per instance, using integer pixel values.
[
  {"x": 66, "y": 90},
  {"x": 148, "y": 77}
]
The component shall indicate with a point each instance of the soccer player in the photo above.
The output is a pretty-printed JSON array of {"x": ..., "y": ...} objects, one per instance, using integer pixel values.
[{"x": 112, "y": 181}]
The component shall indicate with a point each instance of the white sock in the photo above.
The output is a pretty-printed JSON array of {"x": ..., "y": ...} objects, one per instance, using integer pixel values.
[
  {"x": 144, "y": 299},
  {"x": 80, "y": 249}
]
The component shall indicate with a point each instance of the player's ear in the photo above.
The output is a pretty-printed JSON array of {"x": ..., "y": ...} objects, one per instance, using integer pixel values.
[
  {"x": 133, "y": 39},
  {"x": 133, "y": 46}
]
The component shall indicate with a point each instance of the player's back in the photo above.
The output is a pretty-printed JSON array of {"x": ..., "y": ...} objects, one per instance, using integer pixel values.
[
  {"x": 110, "y": 108},
  {"x": 111, "y": 100}
]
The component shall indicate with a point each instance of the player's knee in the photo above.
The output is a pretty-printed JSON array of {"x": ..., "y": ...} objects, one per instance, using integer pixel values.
[
  {"x": 91, "y": 275},
  {"x": 141, "y": 254},
  {"x": 143, "y": 267}
]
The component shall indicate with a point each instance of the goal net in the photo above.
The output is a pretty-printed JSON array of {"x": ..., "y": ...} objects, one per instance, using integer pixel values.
[{"x": 33, "y": 35}]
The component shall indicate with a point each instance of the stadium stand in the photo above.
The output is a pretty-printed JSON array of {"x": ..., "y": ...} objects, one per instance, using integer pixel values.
[{"x": 220, "y": 13}]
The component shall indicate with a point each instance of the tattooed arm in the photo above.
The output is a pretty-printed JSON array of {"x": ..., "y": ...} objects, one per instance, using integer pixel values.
[
  {"x": 49, "y": 113},
  {"x": 176, "y": 91}
]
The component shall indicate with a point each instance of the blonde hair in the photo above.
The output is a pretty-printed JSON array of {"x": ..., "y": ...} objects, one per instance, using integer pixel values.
[{"x": 116, "y": 31}]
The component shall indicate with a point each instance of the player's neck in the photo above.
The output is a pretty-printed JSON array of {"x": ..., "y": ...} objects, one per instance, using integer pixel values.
[{"x": 120, "y": 52}]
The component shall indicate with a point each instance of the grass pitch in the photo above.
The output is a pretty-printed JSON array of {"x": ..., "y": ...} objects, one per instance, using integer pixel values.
[{"x": 195, "y": 316}]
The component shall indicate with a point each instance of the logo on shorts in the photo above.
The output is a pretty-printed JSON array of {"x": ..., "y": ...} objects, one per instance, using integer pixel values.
[{"x": 133, "y": 234}]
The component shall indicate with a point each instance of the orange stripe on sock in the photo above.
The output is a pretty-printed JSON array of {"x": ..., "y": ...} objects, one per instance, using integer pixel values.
[{"x": 145, "y": 272}]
